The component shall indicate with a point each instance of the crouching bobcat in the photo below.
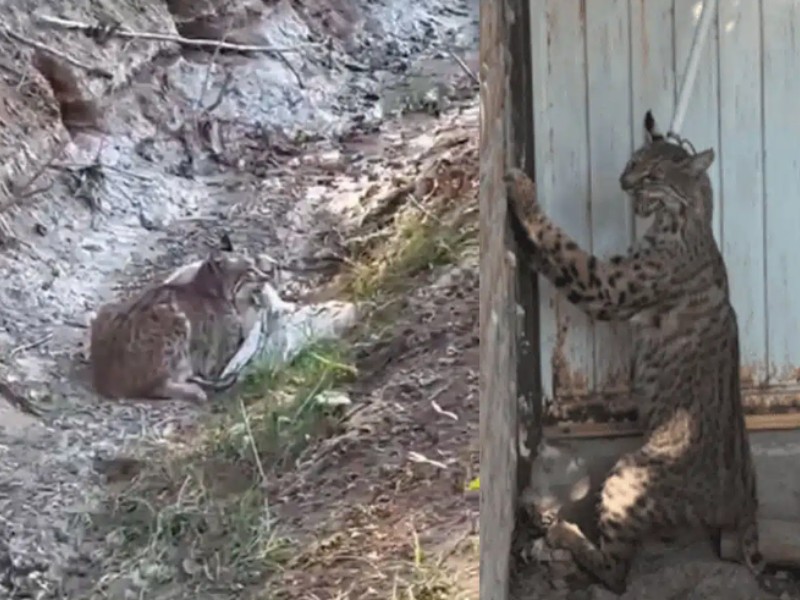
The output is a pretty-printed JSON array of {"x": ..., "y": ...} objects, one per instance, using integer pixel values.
[
  {"x": 695, "y": 467},
  {"x": 174, "y": 337}
]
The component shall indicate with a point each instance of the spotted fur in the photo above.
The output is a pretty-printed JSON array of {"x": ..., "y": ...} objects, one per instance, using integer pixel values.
[
  {"x": 174, "y": 338},
  {"x": 695, "y": 467}
]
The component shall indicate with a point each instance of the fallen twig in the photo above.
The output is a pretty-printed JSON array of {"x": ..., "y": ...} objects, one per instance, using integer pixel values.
[
  {"x": 18, "y": 400},
  {"x": 421, "y": 458},
  {"x": 207, "y": 78},
  {"x": 464, "y": 67},
  {"x": 75, "y": 324},
  {"x": 35, "y": 344},
  {"x": 20, "y": 191},
  {"x": 289, "y": 66},
  {"x": 13, "y": 35},
  {"x": 167, "y": 37},
  {"x": 222, "y": 91},
  {"x": 443, "y": 412},
  {"x": 418, "y": 205},
  {"x": 6, "y": 233},
  {"x": 73, "y": 167}
]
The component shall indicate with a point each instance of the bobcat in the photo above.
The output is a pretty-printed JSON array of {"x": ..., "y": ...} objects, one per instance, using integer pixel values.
[
  {"x": 695, "y": 467},
  {"x": 173, "y": 338}
]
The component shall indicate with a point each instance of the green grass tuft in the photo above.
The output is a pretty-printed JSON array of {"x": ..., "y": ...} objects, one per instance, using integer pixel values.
[{"x": 283, "y": 411}]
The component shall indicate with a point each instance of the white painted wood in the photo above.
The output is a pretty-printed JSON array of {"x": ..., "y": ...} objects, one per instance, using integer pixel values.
[
  {"x": 562, "y": 167},
  {"x": 608, "y": 63},
  {"x": 781, "y": 92},
  {"x": 740, "y": 160}
]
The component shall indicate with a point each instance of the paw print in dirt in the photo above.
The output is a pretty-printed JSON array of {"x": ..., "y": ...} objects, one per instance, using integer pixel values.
[{"x": 521, "y": 192}]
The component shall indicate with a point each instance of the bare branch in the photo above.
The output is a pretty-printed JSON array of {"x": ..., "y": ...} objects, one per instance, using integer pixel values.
[
  {"x": 20, "y": 191},
  {"x": 464, "y": 67},
  {"x": 166, "y": 37}
]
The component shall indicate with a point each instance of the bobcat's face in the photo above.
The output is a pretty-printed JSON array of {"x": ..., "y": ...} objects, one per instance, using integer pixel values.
[{"x": 237, "y": 270}]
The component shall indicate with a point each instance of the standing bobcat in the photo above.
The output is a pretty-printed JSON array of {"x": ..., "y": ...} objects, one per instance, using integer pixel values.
[
  {"x": 695, "y": 467},
  {"x": 165, "y": 341}
]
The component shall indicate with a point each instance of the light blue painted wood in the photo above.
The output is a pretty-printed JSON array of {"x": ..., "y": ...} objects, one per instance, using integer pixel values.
[
  {"x": 542, "y": 99},
  {"x": 652, "y": 69},
  {"x": 781, "y": 89},
  {"x": 563, "y": 177},
  {"x": 740, "y": 158},
  {"x": 701, "y": 125},
  {"x": 593, "y": 82},
  {"x": 608, "y": 63}
]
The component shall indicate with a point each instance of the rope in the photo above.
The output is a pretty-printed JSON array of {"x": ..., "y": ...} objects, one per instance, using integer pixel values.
[{"x": 700, "y": 35}]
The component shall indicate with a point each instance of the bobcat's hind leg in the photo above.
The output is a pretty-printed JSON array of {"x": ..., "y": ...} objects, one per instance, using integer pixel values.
[
  {"x": 178, "y": 384},
  {"x": 608, "y": 565},
  {"x": 633, "y": 503}
]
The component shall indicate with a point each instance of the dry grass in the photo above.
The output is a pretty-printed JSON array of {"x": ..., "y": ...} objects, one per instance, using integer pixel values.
[
  {"x": 434, "y": 577},
  {"x": 416, "y": 242}
]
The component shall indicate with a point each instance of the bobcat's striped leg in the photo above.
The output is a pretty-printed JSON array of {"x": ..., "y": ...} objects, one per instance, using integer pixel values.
[{"x": 609, "y": 566}]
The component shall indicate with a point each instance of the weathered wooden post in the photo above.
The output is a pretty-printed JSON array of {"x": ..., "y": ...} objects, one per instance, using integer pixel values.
[{"x": 509, "y": 344}]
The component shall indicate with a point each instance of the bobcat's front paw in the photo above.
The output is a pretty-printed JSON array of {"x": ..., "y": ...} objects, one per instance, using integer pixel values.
[
  {"x": 562, "y": 535},
  {"x": 521, "y": 192}
]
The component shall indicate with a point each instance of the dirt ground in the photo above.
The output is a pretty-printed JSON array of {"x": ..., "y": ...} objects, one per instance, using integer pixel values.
[{"x": 276, "y": 151}]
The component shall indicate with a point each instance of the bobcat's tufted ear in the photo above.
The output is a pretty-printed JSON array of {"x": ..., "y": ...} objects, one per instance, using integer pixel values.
[
  {"x": 651, "y": 131},
  {"x": 225, "y": 243},
  {"x": 700, "y": 162}
]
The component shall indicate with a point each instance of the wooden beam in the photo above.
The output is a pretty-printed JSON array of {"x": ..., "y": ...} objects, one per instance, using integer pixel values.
[
  {"x": 506, "y": 138},
  {"x": 521, "y": 154},
  {"x": 498, "y": 370},
  {"x": 614, "y": 430}
]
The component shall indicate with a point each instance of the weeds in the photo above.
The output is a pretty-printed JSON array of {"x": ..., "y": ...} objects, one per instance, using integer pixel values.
[
  {"x": 429, "y": 577},
  {"x": 283, "y": 409},
  {"x": 200, "y": 509},
  {"x": 197, "y": 515},
  {"x": 188, "y": 517},
  {"x": 415, "y": 246}
]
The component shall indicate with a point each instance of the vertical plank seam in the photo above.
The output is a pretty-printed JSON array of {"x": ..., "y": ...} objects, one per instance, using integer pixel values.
[
  {"x": 589, "y": 195},
  {"x": 631, "y": 116},
  {"x": 675, "y": 86},
  {"x": 538, "y": 16},
  {"x": 764, "y": 199},
  {"x": 720, "y": 149}
]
